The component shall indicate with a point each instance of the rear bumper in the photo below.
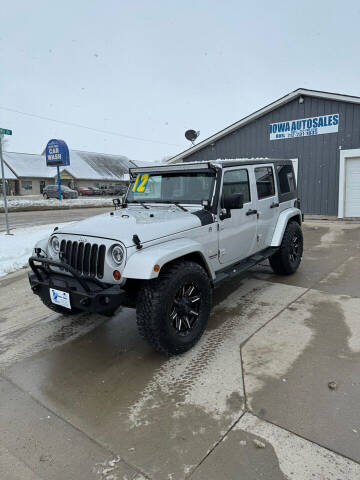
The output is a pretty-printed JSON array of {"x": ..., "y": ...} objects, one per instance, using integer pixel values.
[{"x": 86, "y": 294}]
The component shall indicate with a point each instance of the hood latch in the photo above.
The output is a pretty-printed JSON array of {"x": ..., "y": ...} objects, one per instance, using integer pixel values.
[{"x": 137, "y": 242}]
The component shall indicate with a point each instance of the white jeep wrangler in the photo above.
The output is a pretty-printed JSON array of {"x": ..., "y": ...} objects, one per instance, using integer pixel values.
[{"x": 178, "y": 232}]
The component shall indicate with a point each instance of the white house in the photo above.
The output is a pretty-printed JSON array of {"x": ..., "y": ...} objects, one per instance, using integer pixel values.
[{"x": 27, "y": 174}]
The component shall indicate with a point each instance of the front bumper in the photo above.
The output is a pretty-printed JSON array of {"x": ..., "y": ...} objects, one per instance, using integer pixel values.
[{"x": 86, "y": 293}]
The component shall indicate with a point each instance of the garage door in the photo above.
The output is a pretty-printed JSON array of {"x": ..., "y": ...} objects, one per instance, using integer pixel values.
[{"x": 352, "y": 187}]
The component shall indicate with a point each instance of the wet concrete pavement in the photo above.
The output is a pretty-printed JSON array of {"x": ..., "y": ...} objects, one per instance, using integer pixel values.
[
  {"x": 325, "y": 349},
  {"x": 85, "y": 397}
]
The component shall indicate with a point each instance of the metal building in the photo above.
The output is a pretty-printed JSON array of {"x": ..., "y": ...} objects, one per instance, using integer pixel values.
[{"x": 320, "y": 131}]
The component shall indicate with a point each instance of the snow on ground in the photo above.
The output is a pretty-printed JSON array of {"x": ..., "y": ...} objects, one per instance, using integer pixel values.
[
  {"x": 39, "y": 201},
  {"x": 16, "y": 249}
]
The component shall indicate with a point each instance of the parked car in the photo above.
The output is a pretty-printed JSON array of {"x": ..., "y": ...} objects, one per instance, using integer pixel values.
[
  {"x": 107, "y": 189},
  {"x": 179, "y": 232},
  {"x": 96, "y": 191},
  {"x": 51, "y": 191},
  {"x": 120, "y": 189},
  {"x": 85, "y": 191}
]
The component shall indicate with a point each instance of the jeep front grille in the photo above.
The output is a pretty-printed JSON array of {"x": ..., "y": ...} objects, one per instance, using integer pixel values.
[{"x": 86, "y": 258}]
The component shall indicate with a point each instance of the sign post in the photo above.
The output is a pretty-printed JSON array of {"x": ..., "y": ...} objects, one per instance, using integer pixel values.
[
  {"x": 4, "y": 131},
  {"x": 57, "y": 155},
  {"x": 59, "y": 182}
]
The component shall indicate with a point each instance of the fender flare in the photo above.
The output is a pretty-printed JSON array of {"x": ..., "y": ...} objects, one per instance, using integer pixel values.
[
  {"x": 281, "y": 224},
  {"x": 140, "y": 264}
]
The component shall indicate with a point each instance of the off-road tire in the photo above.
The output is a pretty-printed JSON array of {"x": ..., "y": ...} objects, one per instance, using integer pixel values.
[
  {"x": 58, "y": 309},
  {"x": 281, "y": 262},
  {"x": 45, "y": 196},
  {"x": 155, "y": 301}
]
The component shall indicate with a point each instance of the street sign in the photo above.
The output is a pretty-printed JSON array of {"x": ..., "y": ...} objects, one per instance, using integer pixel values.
[
  {"x": 5, "y": 131},
  {"x": 57, "y": 153}
]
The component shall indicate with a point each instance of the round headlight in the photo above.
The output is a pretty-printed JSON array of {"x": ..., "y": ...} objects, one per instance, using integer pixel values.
[
  {"x": 117, "y": 253},
  {"x": 55, "y": 244}
]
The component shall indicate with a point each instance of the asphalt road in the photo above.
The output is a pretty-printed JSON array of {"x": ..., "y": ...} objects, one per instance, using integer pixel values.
[
  {"x": 271, "y": 391},
  {"x": 44, "y": 217}
]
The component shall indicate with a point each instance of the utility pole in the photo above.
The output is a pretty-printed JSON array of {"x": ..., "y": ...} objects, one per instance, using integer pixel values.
[{"x": 4, "y": 188}]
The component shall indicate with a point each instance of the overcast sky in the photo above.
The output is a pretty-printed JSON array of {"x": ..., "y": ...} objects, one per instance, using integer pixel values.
[{"x": 152, "y": 69}]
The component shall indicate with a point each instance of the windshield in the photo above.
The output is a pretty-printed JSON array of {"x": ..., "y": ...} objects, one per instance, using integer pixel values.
[{"x": 187, "y": 187}]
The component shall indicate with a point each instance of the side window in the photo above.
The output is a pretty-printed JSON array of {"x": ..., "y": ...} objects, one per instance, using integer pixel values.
[
  {"x": 286, "y": 178},
  {"x": 264, "y": 182},
  {"x": 237, "y": 181}
]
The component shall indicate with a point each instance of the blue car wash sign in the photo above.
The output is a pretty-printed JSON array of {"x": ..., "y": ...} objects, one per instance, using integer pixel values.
[
  {"x": 57, "y": 154},
  {"x": 305, "y": 127}
]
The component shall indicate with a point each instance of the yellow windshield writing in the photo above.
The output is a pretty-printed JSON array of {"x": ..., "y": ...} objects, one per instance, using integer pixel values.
[{"x": 140, "y": 183}]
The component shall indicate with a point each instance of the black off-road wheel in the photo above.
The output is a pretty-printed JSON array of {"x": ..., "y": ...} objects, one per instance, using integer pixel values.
[
  {"x": 173, "y": 310},
  {"x": 45, "y": 196},
  {"x": 288, "y": 258},
  {"x": 58, "y": 309}
]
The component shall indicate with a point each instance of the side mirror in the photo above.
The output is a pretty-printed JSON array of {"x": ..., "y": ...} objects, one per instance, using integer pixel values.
[{"x": 233, "y": 202}]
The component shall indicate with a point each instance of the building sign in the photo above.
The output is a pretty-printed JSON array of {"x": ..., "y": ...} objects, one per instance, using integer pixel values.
[
  {"x": 57, "y": 154},
  {"x": 64, "y": 175},
  {"x": 305, "y": 127}
]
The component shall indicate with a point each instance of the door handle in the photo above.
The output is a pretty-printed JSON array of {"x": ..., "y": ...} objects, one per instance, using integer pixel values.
[
  {"x": 251, "y": 212},
  {"x": 274, "y": 205}
]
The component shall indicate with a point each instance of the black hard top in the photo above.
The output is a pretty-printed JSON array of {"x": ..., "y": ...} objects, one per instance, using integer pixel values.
[
  {"x": 222, "y": 163},
  {"x": 256, "y": 161}
]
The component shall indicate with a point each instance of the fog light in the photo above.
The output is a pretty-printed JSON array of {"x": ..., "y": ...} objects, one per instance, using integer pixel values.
[
  {"x": 116, "y": 274},
  {"x": 156, "y": 268}
]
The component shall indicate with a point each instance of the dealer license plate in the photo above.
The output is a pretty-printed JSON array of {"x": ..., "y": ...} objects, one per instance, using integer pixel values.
[{"x": 60, "y": 298}]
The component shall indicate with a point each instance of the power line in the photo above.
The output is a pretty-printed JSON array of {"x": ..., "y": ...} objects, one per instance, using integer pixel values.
[{"x": 108, "y": 132}]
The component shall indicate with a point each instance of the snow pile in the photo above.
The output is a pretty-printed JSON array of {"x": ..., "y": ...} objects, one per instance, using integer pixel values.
[
  {"x": 16, "y": 249},
  {"x": 37, "y": 201}
]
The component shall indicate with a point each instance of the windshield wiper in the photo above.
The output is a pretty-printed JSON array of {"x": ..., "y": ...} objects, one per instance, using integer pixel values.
[
  {"x": 180, "y": 206},
  {"x": 140, "y": 203},
  {"x": 169, "y": 202},
  {"x": 166, "y": 202}
]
